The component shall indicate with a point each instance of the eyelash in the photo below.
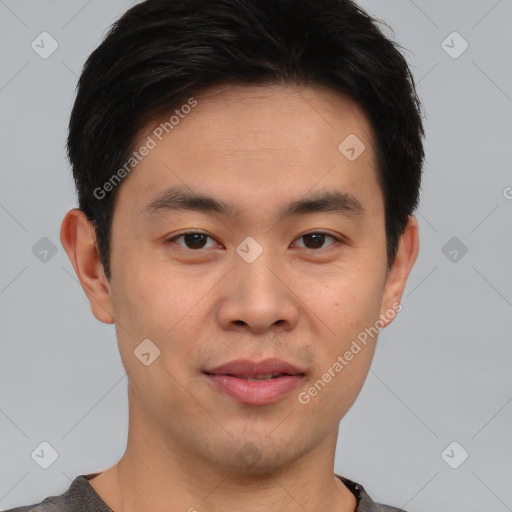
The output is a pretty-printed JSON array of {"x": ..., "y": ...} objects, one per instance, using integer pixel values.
[{"x": 176, "y": 237}]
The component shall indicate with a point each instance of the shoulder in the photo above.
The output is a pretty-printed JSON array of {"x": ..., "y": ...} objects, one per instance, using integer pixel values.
[
  {"x": 51, "y": 504},
  {"x": 387, "y": 508},
  {"x": 79, "y": 493},
  {"x": 27, "y": 508}
]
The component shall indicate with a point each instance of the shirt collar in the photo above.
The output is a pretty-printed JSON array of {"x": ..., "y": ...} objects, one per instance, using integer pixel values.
[
  {"x": 364, "y": 502},
  {"x": 82, "y": 489}
]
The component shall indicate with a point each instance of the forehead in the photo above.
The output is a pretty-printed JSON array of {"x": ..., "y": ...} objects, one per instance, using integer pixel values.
[
  {"x": 268, "y": 108},
  {"x": 255, "y": 141}
]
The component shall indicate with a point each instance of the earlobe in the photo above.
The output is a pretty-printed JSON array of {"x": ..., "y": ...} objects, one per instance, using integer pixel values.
[
  {"x": 397, "y": 277},
  {"x": 78, "y": 239}
]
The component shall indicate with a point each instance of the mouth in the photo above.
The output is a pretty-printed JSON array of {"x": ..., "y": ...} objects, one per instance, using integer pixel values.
[
  {"x": 248, "y": 369},
  {"x": 254, "y": 383},
  {"x": 266, "y": 376}
]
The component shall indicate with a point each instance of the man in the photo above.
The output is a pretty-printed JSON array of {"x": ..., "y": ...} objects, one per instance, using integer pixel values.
[{"x": 247, "y": 173}]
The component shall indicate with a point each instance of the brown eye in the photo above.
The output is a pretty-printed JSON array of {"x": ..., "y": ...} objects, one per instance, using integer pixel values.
[
  {"x": 192, "y": 240},
  {"x": 315, "y": 240}
]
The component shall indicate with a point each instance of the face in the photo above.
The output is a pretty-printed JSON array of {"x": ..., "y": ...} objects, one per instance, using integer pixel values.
[{"x": 286, "y": 259}]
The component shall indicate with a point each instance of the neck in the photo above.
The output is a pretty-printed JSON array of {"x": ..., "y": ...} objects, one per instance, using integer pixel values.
[{"x": 157, "y": 474}]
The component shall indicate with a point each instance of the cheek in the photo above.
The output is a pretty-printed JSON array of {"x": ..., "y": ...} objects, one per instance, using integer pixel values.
[
  {"x": 344, "y": 303},
  {"x": 158, "y": 303},
  {"x": 150, "y": 295},
  {"x": 344, "y": 356},
  {"x": 150, "y": 305}
]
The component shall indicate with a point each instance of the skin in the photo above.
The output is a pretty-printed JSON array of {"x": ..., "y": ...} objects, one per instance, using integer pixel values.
[{"x": 258, "y": 147}]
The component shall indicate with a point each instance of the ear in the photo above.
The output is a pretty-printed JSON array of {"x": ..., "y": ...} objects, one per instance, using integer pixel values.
[
  {"x": 78, "y": 238},
  {"x": 399, "y": 272}
]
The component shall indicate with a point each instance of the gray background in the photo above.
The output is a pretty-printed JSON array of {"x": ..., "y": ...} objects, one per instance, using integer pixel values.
[{"x": 442, "y": 369}]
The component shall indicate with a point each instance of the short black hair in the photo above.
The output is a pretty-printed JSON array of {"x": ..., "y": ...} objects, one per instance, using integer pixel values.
[{"x": 160, "y": 53}]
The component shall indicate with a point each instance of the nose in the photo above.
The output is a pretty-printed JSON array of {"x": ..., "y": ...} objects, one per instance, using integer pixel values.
[{"x": 258, "y": 298}]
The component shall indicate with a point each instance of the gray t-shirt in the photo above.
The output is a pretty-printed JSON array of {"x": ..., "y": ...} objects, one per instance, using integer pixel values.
[{"x": 81, "y": 497}]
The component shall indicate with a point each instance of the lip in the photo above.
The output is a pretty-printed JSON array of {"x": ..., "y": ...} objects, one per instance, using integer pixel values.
[
  {"x": 249, "y": 369},
  {"x": 229, "y": 378},
  {"x": 255, "y": 392}
]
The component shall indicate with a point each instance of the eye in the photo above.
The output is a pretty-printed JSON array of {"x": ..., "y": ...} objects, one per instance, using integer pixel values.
[
  {"x": 316, "y": 239},
  {"x": 193, "y": 240},
  {"x": 196, "y": 240}
]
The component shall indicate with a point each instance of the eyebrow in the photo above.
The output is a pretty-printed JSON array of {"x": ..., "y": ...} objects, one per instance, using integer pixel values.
[{"x": 179, "y": 198}]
